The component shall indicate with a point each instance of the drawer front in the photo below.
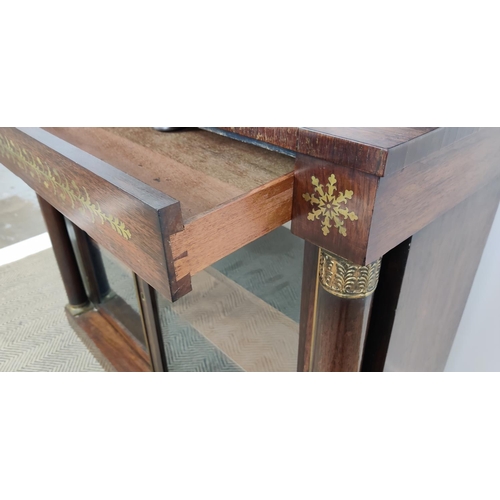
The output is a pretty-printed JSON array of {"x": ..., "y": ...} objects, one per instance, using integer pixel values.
[{"x": 127, "y": 217}]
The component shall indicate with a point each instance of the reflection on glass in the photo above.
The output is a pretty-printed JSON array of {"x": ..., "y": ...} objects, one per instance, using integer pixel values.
[
  {"x": 120, "y": 279},
  {"x": 122, "y": 302},
  {"x": 187, "y": 349},
  {"x": 243, "y": 312}
]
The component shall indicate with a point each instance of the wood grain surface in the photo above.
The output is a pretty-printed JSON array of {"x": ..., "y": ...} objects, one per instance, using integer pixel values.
[
  {"x": 380, "y": 151},
  {"x": 368, "y": 149},
  {"x": 332, "y": 329},
  {"x": 404, "y": 154},
  {"x": 441, "y": 266},
  {"x": 211, "y": 236},
  {"x": 114, "y": 345},
  {"x": 197, "y": 168},
  {"x": 354, "y": 243},
  {"x": 243, "y": 166},
  {"x": 230, "y": 193},
  {"x": 380, "y": 137},
  {"x": 64, "y": 254},
  {"x": 283, "y": 137},
  {"x": 127, "y": 217},
  {"x": 412, "y": 198},
  {"x": 392, "y": 209},
  {"x": 339, "y": 333}
]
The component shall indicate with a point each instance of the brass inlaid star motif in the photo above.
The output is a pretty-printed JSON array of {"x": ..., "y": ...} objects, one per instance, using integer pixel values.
[{"x": 329, "y": 207}]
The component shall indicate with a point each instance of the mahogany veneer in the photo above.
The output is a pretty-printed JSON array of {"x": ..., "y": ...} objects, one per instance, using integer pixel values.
[{"x": 170, "y": 205}]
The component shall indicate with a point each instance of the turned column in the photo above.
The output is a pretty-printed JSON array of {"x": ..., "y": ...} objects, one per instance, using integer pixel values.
[
  {"x": 336, "y": 301},
  {"x": 65, "y": 257},
  {"x": 93, "y": 266}
]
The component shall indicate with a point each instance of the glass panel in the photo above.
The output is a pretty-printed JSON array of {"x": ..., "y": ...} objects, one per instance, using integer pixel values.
[
  {"x": 120, "y": 279},
  {"x": 243, "y": 312},
  {"x": 122, "y": 303}
]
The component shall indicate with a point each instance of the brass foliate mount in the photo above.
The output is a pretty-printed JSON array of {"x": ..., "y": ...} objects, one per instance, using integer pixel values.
[{"x": 345, "y": 279}]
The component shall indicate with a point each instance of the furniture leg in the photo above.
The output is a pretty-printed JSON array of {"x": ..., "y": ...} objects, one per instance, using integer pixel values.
[
  {"x": 65, "y": 257},
  {"x": 336, "y": 301},
  {"x": 93, "y": 266}
]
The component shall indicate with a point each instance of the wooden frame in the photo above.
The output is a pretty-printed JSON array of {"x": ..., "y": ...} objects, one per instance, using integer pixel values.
[{"x": 162, "y": 203}]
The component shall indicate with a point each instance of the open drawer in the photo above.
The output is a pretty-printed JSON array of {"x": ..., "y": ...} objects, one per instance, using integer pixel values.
[{"x": 166, "y": 205}]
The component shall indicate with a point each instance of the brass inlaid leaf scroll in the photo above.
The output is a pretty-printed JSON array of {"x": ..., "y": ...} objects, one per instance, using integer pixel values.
[
  {"x": 68, "y": 192},
  {"x": 328, "y": 207}
]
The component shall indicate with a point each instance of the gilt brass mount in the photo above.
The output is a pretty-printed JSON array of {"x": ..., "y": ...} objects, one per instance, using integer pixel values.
[{"x": 345, "y": 279}]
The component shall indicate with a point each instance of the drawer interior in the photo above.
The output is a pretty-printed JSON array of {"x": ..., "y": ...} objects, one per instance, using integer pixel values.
[{"x": 200, "y": 169}]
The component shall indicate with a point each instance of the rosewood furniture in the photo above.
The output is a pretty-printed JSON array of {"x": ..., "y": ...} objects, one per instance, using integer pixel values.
[{"x": 394, "y": 222}]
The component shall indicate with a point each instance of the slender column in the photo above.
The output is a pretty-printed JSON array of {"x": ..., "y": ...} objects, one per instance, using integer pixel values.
[
  {"x": 336, "y": 301},
  {"x": 65, "y": 257},
  {"x": 151, "y": 324},
  {"x": 93, "y": 266}
]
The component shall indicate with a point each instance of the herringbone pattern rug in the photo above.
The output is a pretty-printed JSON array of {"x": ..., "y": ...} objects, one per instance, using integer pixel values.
[
  {"x": 34, "y": 331},
  {"x": 241, "y": 315}
]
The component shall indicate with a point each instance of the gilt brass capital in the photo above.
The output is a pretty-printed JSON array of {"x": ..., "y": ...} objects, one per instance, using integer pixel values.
[{"x": 345, "y": 279}]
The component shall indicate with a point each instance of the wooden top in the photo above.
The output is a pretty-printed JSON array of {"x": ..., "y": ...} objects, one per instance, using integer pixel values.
[
  {"x": 286, "y": 137},
  {"x": 381, "y": 151},
  {"x": 380, "y": 137}
]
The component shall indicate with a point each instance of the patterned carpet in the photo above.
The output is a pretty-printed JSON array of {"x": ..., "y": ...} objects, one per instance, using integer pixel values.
[
  {"x": 241, "y": 316},
  {"x": 34, "y": 331}
]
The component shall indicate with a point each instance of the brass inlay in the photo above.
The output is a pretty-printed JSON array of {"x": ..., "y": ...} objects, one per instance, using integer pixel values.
[
  {"x": 345, "y": 279},
  {"x": 315, "y": 315},
  {"x": 329, "y": 206},
  {"x": 62, "y": 188}
]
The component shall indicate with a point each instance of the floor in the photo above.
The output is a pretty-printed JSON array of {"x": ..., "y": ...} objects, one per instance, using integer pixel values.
[
  {"x": 20, "y": 217},
  {"x": 35, "y": 335}
]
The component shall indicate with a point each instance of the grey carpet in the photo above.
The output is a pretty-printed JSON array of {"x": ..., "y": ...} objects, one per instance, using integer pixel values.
[
  {"x": 34, "y": 331},
  {"x": 188, "y": 350},
  {"x": 271, "y": 269}
]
